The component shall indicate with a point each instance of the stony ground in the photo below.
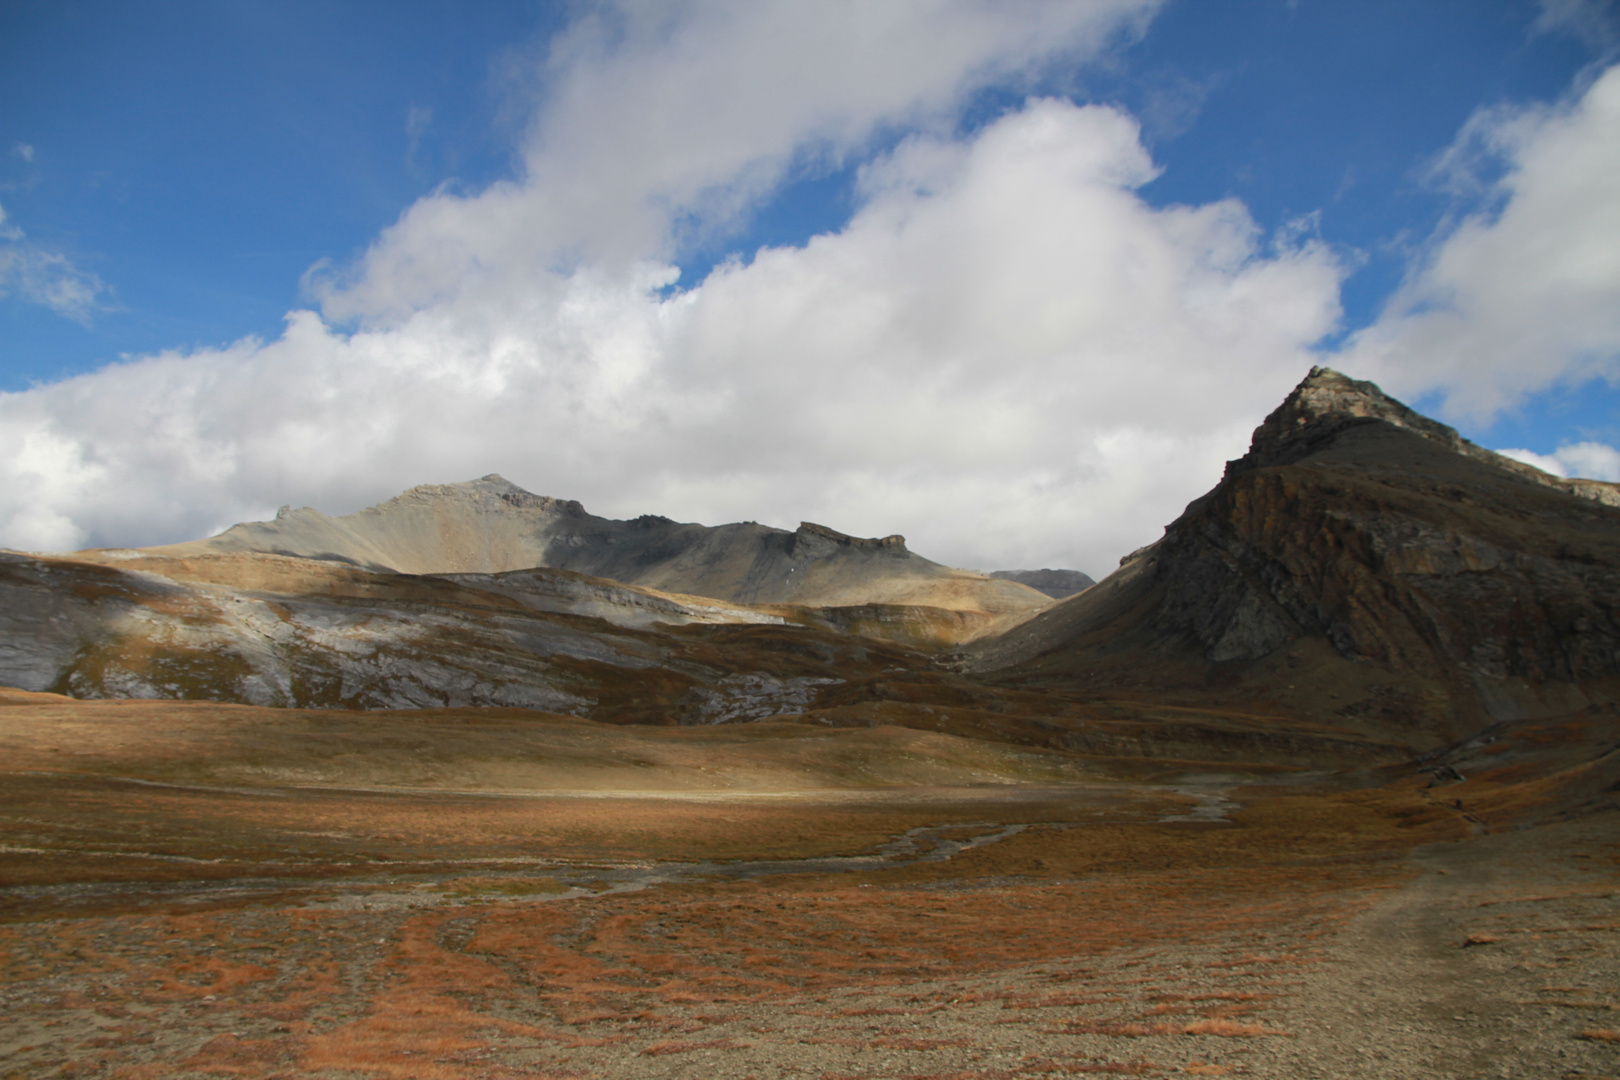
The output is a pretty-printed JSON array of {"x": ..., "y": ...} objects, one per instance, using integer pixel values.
[
  {"x": 1498, "y": 957},
  {"x": 1136, "y": 948}
]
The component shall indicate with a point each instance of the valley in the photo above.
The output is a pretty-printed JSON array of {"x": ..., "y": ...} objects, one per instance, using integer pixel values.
[{"x": 475, "y": 784}]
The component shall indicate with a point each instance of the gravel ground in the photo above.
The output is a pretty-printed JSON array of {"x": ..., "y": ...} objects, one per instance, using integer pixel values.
[
  {"x": 1499, "y": 958},
  {"x": 1493, "y": 956}
]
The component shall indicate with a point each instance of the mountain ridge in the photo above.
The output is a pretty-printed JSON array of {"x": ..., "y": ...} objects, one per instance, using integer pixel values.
[
  {"x": 1361, "y": 576},
  {"x": 491, "y": 525},
  {"x": 1058, "y": 584}
]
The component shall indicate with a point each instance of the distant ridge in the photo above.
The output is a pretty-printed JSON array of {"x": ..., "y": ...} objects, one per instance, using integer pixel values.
[
  {"x": 491, "y": 525},
  {"x": 1058, "y": 584}
]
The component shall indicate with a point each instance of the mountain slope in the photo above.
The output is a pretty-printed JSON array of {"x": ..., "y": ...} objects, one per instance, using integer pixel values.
[
  {"x": 274, "y": 630},
  {"x": 1361, "y": 563},
  {"x": 491, "y": 525},
  {"x": 270, "y": 630}
]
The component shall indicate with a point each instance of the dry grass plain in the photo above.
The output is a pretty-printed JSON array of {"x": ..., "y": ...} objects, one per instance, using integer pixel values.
[{"x": 194, "y": 890}]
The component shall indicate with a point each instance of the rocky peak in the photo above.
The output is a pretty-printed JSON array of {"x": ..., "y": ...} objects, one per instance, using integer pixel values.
[
  {"x": 1324, "y": 404},
  {"x": 1445, "y": 583},
  {"x": 1327, "y": 402},
  {"x": 498, "y": 486},
  {"x": 527, "y": 500},
  {"x": 1058, "y": 584},
  {"x": 812, "y": 535}
]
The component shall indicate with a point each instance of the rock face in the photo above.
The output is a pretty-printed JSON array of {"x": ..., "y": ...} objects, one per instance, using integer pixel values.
[
  {"x": 1058, "y": 584},
  {"x": 273, "y": 630},
  {"x": 485, "y": 594},
  {"x": 1433, "y": 583},
  {"x": 491, "y": 526}
]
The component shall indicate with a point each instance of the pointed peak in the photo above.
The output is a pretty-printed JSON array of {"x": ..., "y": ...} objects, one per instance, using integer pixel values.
[
  {"x": 1323, "y": 404},
  {"x": 493, "y": 481},
  {"x": 491, "y": 486},
  {"x": 1326, "y": 402},
  {"x": 1322, "y": 375},
  {"x": 1325, "y": 392}
]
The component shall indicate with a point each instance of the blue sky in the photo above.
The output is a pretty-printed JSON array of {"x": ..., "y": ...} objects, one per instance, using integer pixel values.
[
  {"x": 199, "y": 157},
  {"x": 456, "y": 183}
]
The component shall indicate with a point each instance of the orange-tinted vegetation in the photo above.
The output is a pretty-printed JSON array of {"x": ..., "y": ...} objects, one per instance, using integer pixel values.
[{"x": 170, "y": 911}]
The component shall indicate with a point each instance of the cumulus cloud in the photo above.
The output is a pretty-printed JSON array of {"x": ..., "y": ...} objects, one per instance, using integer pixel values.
[
  {"x": 1524, "y": 294},
  {"x": 41, "y": 276},
  {"x": 1006, "y": 354},
  {"x": 1593, "y": 460},
  {"x": 660, "y": 123}
]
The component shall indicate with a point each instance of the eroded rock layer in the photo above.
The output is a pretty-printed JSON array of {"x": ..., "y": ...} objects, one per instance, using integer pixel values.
[
  {"x": 276, "y": 630},
  {"x": 1362, "y": 551}
]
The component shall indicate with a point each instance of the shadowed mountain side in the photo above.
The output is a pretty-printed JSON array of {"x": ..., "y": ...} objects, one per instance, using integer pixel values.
[
  {"x": 1361, "y": 564},
  {"x": 490, "y": 525}
]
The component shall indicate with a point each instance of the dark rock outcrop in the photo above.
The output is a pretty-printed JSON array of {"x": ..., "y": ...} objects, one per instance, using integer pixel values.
[{"x": 1475, "y": 586}]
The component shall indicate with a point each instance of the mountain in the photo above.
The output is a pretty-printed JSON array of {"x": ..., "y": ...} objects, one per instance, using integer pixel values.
[
  {"x": 1362, "y": 565},
  {"x": 491, "y": 525},
  {"x": 275, "y": 630},
  {"x": 1058, "y": 584},
  {"x": 1361, "y": 587},
  {"x": 484, "y": 594}
]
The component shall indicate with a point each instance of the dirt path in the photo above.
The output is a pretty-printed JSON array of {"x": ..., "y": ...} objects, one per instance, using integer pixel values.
[{"x": 1491, "y": 961}]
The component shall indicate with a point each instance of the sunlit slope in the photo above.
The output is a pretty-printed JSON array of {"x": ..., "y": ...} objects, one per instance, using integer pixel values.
[
  {"x": 490, "y": 525},
  {"x": 1360, "y": 565},
  {"x": 275, "y": 630},
  {"x": 490, "y": 750}
]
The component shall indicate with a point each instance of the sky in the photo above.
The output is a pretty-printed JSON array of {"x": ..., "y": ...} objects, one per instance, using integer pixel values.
[{"x": 1014, "y": 280}]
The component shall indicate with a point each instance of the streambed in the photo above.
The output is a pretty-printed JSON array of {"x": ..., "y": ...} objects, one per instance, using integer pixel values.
[{"x": 520, "y": 878}]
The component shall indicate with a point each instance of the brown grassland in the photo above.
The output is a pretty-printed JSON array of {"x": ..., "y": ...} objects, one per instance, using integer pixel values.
[{"x": 194, "y": 890}]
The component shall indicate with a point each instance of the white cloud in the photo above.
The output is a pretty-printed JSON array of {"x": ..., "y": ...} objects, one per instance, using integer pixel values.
[
  {"x": 24, "y": 151},
  {"x": 45, "y": 277},
  {"x": 1547, "y": 463},
  {"x": 1526, "y": 295},
  {"x": 1591, "y": 460},
  {"x": 1006, "y": 354},
  {"x": 661, "y": 122}
]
